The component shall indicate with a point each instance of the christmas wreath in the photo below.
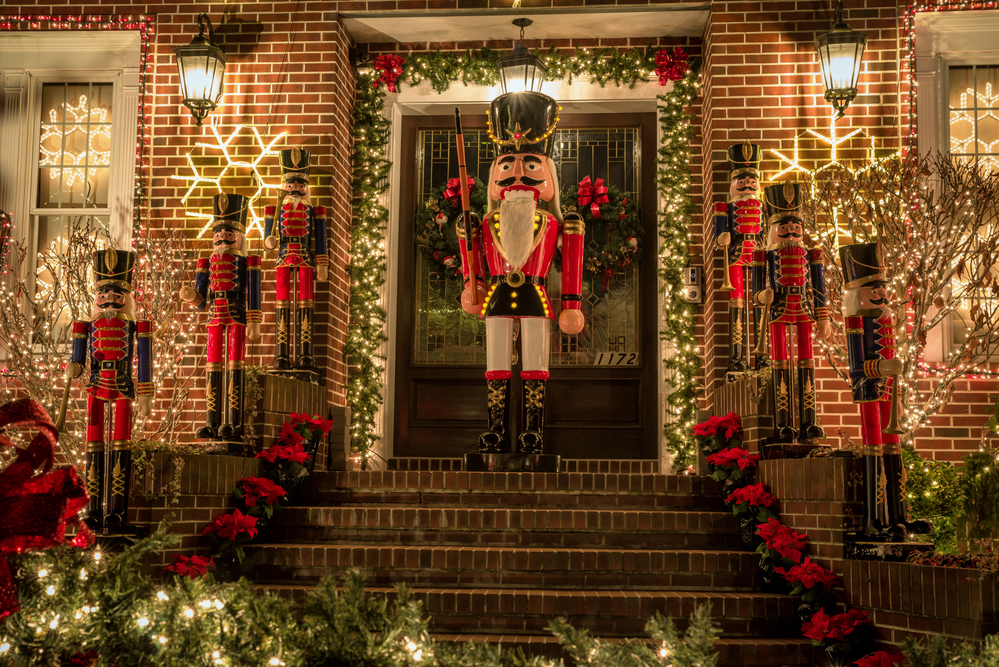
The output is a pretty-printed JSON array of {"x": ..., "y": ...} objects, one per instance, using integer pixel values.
[
  {"x": 611, "y": 219},
  {"x": 435, "y": 221}
]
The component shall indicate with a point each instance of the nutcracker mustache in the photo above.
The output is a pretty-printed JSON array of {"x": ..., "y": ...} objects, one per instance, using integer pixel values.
[
  {"x": 879, "y": 302},
  {"x": 110, "y": 304},
  {"x": 790, "y": 235},
  {"x": 222, "y": 242},
  {"x": 526, "y": 180}
]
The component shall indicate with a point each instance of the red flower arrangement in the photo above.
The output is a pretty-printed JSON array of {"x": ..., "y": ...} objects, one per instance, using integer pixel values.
[
  {"x": 293, "y": 453},
  {"x": 390, "y": 67},
  {"x": 783, "y": 541},
  {"x": 191, "y": 566},
  {"x": 733, "y": 456},
  {"x": 232, "y": 526},
  {"x": 671, "y": 66},
  {"x": 822, "y": 627},
  {"x": 881, "y": 659},
  {"x": 747, "y": 497},
  {"x": 730, "y": 424},
  {"x": 260, "y": 490},
  {"x": 808, "y": 575}
]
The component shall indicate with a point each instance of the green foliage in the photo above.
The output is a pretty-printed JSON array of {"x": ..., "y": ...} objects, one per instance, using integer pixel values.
[
  {"x": 142, "y": 465},
  {"x": 107, "y": 612},
  {"x": 695, "y": 648},
  {"x": 437, "y": 241},
  {"x": 980, "y": 483},
  {"x": 253, "y": 391},
  {"x": 934, "y": 491},
  {"x": 937, "y": 653}
]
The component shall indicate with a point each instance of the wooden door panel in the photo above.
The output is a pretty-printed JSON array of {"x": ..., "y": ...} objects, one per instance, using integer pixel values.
[
  {"x": 594, "y": 402},
  {"x": 448, "y": 399}
]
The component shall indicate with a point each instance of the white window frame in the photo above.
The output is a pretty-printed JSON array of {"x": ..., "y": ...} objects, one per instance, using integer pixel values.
[
  {"x": 944, "y": 40},
  {"x": 31, "y": 59}
]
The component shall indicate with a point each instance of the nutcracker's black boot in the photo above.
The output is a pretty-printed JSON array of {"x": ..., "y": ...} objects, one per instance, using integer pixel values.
[
  {"x": 95, "y": 484},
  {"x": 494, "y": 440},
  {"x": 283, "y": 327},
  {"x": 306, "y": 358},
  {"x": 121, "y": 474},
  {"x": 737, "y": 337},
  {"x": 783, "y": 425},
  {"x": 214, "y": 397},
  {"x": 809, "y": 429},
  {"x": 872, "y": 529},
  {"x": 895, "y": 496},
  {"x": 232, "y": 429},
  {"x": 761, "y": 360},
  {"x": 531, "y": 441}
]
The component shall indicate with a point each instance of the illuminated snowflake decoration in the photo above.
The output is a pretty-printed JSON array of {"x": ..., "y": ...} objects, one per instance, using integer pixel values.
[
  {"x": 255, "y": 221},
  {"x": 92, "y": 124},
  {"x": 985, "y": 105},
  {"x": 795, "y": 166}
]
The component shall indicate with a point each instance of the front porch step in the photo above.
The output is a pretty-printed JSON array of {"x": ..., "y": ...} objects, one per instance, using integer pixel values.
[
  {"x": 603, "y": 613},
  {"x": 489, "y": 489},
  {"x": 643, "y": 466},
  {"x": 508, "y": 527},
  {"x": 563, "y": 568}
]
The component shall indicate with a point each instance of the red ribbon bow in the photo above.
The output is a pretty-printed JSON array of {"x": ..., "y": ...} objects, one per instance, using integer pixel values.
[
  {"x": 593, "y": 194},
  {"x": 390, "y": 67},
  {"x": 35, "y": 511},
  {"x": 453, "y": 192},
  {"x": 671, "y": 67}
]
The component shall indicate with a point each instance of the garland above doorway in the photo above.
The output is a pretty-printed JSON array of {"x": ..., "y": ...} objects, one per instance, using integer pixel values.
[{"x": 370, "y": 168}]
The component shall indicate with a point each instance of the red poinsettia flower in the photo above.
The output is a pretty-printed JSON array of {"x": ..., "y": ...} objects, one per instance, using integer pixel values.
[
  {"x": 784, "y": 540},
  {"x": 808, "y": 574},
  {"x": 708, "y": 428},
  {"x": 275, "y": 453},
  {"x": 84, "y": 659},
  {"x": 191, "y": 566},
  {"x": 732, "y": 456},
  {"x": 843, "y": 625},
  {"x": 322, "y": 425},
  {"x": 231, "y": 526},
  {"x": 731, "y": 423},
  {"x": 289, "y": 435},
  {"x": 881, "y": 659},
  {"x": 260, "y": 489},
  {"x": 818, "y": 627},
  {"x": 297, "y": 418},
  {"x": 754, "y": 494}
]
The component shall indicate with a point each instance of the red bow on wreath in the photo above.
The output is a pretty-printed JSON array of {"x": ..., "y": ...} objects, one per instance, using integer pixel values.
[
  {"x": 453, "y": 192},
  {"x": 35, "y": 511},
  {"x": 671, "y": 67},
  {"x": 391, "y": 67},
  {"x": 593, "y": 194}
]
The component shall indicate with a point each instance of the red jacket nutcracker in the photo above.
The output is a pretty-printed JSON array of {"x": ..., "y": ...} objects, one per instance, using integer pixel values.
[
  {"x": 870, "y": 341},
  {"x": 519, "y": 236},
  {"x": 111, "y": 339},
  {"x": 737, "y": 231},
  {"x": 229, "y": 283},
  {"x": 791, "y": 281},
  {"x": 300, "y": 237}
]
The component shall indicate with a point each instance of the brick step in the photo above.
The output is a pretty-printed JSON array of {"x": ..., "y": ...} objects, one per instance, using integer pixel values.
[
  {"x": 587, "y": 490},
  {"x": 605, "y": 613},
  {"x": 513, "y": 527},
  {"x": 568, "y": 465},
  {"x": 492, "y": 566}
]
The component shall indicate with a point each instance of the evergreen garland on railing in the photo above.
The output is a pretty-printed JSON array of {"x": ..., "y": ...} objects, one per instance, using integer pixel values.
[{"x": 603, "y": 66}]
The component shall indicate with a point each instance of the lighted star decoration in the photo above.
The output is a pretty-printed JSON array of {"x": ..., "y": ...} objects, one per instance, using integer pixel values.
[
  {"x": 92, "y": 124},
  {"x": 197, "y": 178},
  {"x": 795, "y": 166},
  {"x": 986, "y": 104}
]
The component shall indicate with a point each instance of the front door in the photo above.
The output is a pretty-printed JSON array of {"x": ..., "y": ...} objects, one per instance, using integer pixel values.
[{"x": 602, "y": 396}]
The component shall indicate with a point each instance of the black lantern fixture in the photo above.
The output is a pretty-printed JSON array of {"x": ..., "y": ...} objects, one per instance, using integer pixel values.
[
  {"x": 201, "y": 65},
  {"x": 521, "y": 71},
  {"x": 840, "y": 52}
]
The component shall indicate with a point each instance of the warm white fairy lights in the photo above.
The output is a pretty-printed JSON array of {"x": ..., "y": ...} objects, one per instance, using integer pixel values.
[
  {"x": 225, "y": 147},
  {"x": 92, "y": 124}
]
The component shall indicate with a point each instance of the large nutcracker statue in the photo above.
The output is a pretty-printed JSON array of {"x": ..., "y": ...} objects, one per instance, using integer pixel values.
[
  {"x": 870, "y": 340},
  {"x": 111, "y": 339},
  {"x": 300, "y": 237},
  {"x": 737, "y": 231},
  {"x": 790, "y": 281},
  {"x": 229, "y": 283},
  {"x": 519, "y": 235}
]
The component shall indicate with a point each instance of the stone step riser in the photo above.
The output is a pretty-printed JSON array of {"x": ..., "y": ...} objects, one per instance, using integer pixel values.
[
  {"x": 489, "y": 499},
  {"x": 645, "y": 467},
  {"x": 511, "y": 538}
]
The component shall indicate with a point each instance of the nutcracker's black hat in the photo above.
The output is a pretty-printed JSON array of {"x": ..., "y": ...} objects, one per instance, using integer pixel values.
[
  {"x": 744, "y": 160},
  {"x": 295, "y": 165},
  {"x": 784, "y": 202},
  {"x": 523, "y": 122},
  {"x": 229, "y": 211},
  {"x": 113, "y": 268},
  {"x": 862, "y": 264}
]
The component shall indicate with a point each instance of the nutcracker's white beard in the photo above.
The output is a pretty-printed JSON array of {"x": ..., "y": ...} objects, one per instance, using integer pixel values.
[{"x": 516, "y": 236}]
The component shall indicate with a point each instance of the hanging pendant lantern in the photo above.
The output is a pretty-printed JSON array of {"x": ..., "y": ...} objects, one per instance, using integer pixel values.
[
  {"x": 201, "y": 65},
  {"x": 841, "y": 51},
  {"x": 521, "y": 71}
]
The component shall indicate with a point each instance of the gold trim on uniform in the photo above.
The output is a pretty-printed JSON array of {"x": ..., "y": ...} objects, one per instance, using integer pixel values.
[
  {"x": 307, "y": 303},
  {"x": 781, "y": 363},
  {"x": 574, "y": 227},
  {"x": 95, "y": 446},
  {"x": 120, "y": 445},
  {"x": 806, "y": 363},
  {"x": 213, "y": 366}
]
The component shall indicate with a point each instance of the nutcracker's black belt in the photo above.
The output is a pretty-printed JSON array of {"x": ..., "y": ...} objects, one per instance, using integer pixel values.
[
  {"x": 302, "y": 240},
  {"x": 792, "y": 290},
  {"x": 532, "y": 280},
  {"x": 231, "y": 295},
  {"x": 122, "y": 365}
]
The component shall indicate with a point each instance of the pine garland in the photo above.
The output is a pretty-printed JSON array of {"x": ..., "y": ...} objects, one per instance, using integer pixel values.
[{"x": 603, "y": 66}]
